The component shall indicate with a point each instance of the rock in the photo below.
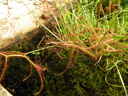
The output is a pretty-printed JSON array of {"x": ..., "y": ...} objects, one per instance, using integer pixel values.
[
  {"x": 4, "y": 92},
  {"x": 17, "y": 22}
]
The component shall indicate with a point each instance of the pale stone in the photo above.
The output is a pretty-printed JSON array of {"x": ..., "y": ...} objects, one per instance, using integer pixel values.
[
  {"x": 4, "y": 92},
  {"x": 17, "y": 21}
]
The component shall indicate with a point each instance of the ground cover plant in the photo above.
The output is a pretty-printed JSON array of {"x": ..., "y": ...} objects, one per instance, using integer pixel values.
[{"x": 85, "y": 48}]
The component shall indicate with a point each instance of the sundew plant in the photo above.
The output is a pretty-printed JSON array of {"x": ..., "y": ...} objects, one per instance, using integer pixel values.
[
  {"x": 98, "y": 32},
  {"x": 94, "y": 29}
]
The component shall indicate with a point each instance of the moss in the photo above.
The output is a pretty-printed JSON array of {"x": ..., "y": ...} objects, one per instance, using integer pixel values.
[{"x": 83, "y": 79}]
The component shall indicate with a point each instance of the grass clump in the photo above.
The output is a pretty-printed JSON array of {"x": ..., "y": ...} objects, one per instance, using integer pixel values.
[{"x": 104, "y": 42}]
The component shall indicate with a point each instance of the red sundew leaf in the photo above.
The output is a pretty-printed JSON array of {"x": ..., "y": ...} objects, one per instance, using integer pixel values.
[{"x": 39, "y": 68}]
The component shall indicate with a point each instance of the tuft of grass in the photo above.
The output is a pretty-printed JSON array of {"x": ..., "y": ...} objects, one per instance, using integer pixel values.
[{"x": 79, "y": 31}]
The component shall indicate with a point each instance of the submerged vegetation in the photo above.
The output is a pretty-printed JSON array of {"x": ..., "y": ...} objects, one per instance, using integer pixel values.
[{"x": 86, "y": 54}]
